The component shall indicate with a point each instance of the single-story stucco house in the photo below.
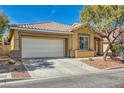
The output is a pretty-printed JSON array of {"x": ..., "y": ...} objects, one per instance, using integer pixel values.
[{"x": 51, "y": 39}]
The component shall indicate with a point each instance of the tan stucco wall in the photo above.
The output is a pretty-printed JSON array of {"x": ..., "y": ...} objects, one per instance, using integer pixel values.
[
  {"x": 12, "y": 43},
  {"x": 80, "y": 53},
  {"x": 15, "y": 41},
  {"x": 6, "y": 50},
  {"x": 74, "y": 49}
]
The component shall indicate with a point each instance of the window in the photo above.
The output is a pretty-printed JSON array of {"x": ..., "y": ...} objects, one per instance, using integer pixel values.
[{"x": 84, "y": 42}]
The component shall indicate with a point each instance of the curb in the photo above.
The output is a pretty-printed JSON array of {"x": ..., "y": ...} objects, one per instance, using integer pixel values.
[
  {"x": 114, "y": 68},
  {"x": 10, "y": 80}
]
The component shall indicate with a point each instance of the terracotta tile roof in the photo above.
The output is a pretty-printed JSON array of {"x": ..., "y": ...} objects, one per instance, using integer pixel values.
[{"x": 51, "y": 26}]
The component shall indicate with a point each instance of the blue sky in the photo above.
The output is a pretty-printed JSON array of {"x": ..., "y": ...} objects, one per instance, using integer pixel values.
[{"x": 66, "y": 14}]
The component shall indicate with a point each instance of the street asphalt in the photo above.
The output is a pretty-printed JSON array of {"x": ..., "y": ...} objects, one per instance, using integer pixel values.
[{"x": 106, "y": 79}]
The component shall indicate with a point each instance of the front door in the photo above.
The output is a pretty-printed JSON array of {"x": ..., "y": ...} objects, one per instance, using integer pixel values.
[{"x": 97, "y": 47}]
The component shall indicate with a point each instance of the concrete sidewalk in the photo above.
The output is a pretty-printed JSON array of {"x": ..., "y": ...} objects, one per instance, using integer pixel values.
[
  {"x": 106, "y": 79},
  {"x": 4, "y": 76}
]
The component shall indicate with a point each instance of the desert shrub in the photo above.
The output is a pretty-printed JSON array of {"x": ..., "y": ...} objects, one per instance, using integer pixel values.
[
  {"x": 122, "y": 53},
  {"x": 11, "y": 62},
  {"x": 91, "y": 59},
  {"x": 116, "y": 49}
]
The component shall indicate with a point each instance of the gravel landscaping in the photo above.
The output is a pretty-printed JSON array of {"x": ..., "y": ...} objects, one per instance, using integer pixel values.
[
  {"x": 108, "y": 64},
  {"x": 16, "y": 70},
  {"x": 4, "y": 58}
]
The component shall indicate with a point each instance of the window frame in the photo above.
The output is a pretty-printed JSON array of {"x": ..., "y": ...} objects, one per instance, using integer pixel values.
[{"x": 84, "y": 35}]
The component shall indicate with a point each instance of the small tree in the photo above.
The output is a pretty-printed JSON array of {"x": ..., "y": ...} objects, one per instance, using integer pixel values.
[
  {"x": 4, "y": 23},
  {"x": 107, "y": 20}
]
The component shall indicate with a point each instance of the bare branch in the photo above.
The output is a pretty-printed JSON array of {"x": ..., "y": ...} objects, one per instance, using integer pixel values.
[{"x": 116, "y": 36}]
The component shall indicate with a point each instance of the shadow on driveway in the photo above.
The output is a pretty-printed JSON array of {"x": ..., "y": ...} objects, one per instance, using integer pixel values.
[{"x": 34, "y": 64}]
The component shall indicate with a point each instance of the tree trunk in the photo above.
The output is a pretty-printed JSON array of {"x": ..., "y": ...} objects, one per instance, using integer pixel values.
[{"x": 106, "y": 52}]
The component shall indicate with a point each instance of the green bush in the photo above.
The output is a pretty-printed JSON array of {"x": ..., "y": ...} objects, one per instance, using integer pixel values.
[
  {"x": 91, "y": 59},
  {"x": 116, "y": 49},
  {"x": 11, "y": 62}
]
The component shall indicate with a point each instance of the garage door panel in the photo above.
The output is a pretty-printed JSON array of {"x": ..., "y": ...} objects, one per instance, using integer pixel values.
[{"x": 42, "y": 48}]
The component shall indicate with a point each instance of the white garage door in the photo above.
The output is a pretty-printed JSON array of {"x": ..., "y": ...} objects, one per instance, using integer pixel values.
[{"x": 33, "y": 48}]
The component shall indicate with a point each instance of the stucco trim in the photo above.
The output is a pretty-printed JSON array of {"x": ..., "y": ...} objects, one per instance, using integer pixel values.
[{"x": 34, "y": 34}]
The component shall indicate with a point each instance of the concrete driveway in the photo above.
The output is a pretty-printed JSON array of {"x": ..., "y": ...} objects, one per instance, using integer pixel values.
[{"x": 51, "y": 68}]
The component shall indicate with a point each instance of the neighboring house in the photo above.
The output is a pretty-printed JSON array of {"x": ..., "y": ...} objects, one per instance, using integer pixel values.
[
  {"x": 51, "y": 39},
  {"x": 105, "y": 45}
]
